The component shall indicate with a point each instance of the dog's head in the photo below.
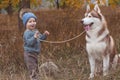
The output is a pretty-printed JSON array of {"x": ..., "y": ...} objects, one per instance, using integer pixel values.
[{"x": 92, "y": 18}]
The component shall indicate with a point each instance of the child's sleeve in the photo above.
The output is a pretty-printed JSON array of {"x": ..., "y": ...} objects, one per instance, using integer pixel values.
[
  {"x": 42, "y": 36},
  {"x": 29, "y": 40}
]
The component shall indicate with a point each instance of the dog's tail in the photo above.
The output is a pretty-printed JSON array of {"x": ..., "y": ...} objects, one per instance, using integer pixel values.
[{"x": 116, "y": 61}]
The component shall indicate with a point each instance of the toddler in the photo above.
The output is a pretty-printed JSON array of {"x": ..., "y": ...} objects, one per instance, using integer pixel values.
[{"x": 32, "y": 43}]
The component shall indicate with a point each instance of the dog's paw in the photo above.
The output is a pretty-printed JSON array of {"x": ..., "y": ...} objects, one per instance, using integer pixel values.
[
  {"x": 105, "y": 73},
  {"x": 91, "y": 76}
]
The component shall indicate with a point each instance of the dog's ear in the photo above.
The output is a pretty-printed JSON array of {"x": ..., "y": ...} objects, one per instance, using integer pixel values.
[
  {"x": 87, "y": 10},
  {"x": 96, "y": 8}
]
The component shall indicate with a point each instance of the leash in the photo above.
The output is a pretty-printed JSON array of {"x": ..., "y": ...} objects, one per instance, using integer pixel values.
[
  {"x": 60, "y": 41},
  {"x": 55, "y": 42}
]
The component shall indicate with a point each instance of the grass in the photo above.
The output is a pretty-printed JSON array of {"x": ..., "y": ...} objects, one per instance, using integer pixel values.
[{"x": 70, "y": 57}]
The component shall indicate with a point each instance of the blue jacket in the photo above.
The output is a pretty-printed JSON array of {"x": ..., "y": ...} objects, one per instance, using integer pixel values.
[{"x": 31, "y": 44}]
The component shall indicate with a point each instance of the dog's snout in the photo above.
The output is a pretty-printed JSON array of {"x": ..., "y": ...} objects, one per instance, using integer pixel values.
[{"x": 82, "y": 21}]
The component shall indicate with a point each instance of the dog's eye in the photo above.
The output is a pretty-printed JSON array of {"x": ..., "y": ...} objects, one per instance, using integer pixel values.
[{"x": 89, "y": 16}]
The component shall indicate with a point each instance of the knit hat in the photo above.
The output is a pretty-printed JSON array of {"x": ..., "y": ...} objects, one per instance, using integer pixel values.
[{"x": 27, "y": 16}]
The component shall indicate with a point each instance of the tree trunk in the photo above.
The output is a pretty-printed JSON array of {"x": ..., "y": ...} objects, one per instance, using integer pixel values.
[
  {"x": 9, "y": 9},
  {"x": 57, "y": 4},
  {"x": 107, "y": 2},
  {"x": 22, "y": 4}
]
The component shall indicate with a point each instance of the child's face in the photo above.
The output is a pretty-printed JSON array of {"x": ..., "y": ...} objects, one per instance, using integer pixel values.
[{"x": 31, "y": 24}]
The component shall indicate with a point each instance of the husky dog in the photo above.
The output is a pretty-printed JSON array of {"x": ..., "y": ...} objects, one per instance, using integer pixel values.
[{"x": 99, "y": 44}]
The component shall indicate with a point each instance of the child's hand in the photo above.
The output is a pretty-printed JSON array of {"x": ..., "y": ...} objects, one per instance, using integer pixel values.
[
  {"x": 36, "y": 35},
  {"x": 46, "y": 33}
]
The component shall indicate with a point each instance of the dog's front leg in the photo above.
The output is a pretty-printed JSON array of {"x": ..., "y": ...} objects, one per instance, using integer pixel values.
[
  {"x": 106, "y": 63},
  {"x": 92, "y": 66}
]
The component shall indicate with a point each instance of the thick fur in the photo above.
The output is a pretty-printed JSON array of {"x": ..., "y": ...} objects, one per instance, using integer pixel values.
[{"x": 99, "y": 43}]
